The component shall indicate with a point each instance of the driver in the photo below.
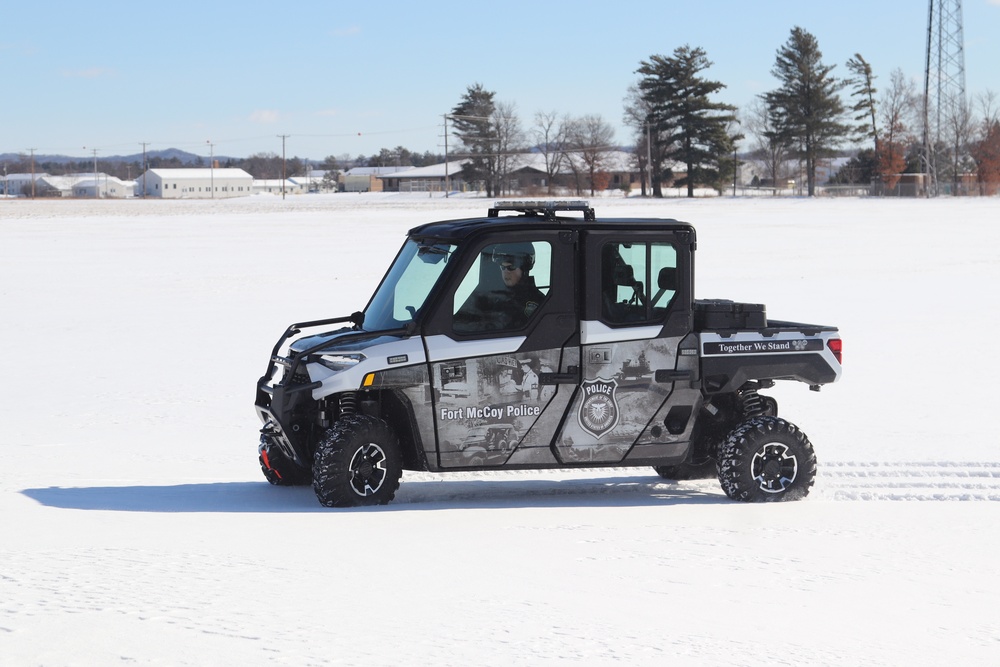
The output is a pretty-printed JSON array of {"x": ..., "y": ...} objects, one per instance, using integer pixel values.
[{"x": 519, "y": 301}]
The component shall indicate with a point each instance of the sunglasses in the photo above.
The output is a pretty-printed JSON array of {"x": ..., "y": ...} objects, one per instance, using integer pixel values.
[{"x": 509, "y": 267}]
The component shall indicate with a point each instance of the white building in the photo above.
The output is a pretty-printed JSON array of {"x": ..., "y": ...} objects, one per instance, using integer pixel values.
[
  {"x": 17, "y": 185},
  {"x": 274, "y": 186},
  {"x": 194, "y": 183},
  {"x": 68, "y": 185},
  {"x": 58, "y": 186},
  {"x": 107, "y": 187}
]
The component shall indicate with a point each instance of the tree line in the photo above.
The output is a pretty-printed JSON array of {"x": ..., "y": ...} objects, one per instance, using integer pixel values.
[{"x": 676, "y": 120}]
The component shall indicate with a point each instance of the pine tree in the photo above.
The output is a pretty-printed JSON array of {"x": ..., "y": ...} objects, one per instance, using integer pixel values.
[
  {"x": 864, "y": 89},
  {"x": 471, "y": 120},
  {"x": 689, "y": 127},
  {"x": 806, "y": 109}
]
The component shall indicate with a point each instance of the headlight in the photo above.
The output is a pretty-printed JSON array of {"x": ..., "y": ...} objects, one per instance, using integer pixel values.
[{"x": 340, "y": 362}]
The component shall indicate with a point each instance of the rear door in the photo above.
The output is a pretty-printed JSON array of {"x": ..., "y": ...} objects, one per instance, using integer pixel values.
[{"x": 635, "y": 400}]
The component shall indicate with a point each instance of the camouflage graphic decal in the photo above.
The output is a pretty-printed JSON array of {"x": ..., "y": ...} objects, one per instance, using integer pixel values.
[{"x": 486, "y": 408}]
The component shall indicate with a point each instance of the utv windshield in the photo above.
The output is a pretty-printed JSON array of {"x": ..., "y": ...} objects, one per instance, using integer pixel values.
[{"x": 407, "y": 285}]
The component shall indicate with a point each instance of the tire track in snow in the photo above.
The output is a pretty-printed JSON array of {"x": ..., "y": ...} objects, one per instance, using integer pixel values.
[{"x": 921, "y": 480}]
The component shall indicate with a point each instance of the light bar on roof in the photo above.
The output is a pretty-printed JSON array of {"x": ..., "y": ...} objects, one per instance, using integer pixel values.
[
  {"x": 550, "y": 205},
  {"x": 543, "y": 209}
]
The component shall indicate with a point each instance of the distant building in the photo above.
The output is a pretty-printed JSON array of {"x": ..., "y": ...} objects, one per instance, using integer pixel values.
[
  {"x": 367, "y": 179},
  {"x": 17, "y": 185},
  {"x": 67, "y": 185},
  {"x": 526, "y": 173},
  {"x": 107, "y": 187},
  {"x": 195, "y": 183},
  {"x": 317, "y": 180},
  {"x": 274, "y": 186},
  {"x": 425, "y": 179}
]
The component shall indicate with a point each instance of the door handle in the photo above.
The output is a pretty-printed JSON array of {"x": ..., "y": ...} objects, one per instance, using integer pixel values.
[
  {"x": 672, "y": 376},
  {"x": 572, "y": 376}
]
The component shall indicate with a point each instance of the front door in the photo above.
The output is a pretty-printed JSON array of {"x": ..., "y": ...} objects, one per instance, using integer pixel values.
[{"x": 503, "y": 342}]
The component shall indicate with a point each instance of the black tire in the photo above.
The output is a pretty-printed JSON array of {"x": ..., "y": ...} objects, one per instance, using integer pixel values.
[
  {"x": 688, "y": 470},
  {"x": 277, "y": 469},
  {"x": 766, "y": 459},
  {"x": 357, "y": 462}
]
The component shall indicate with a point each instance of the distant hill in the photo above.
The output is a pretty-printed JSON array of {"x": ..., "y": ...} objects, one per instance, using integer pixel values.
[{"x": 166, "y": 154}]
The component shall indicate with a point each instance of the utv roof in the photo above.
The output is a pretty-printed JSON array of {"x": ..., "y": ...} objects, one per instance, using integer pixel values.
[{"x": 546, "y": 214}]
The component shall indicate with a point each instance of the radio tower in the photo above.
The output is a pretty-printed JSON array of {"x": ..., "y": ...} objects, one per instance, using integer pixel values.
[{"x": 944, "y": 78}]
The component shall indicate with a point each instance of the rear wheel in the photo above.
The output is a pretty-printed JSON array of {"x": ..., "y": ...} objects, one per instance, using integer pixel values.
[
  {"x": 357, "y": 462},
  {"x": 766, "y": 459}
]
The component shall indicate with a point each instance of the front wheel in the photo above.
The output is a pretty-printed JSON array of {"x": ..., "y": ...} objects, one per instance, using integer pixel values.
[
  {"x": 766, "y": 459},
  {"x": 357, "y": 462}
]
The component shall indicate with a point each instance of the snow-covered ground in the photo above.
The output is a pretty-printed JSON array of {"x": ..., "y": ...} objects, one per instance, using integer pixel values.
[{"x": 137, "y": 528}]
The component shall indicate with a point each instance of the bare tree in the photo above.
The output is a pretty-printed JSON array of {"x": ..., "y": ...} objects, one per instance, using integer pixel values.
[
  {"x": 637, "y": 115},
  {"x": 549, "y": 135},
  {"x": 989, "y": 107},
  {"x": 986, "y": 145},
  {"x": 262, "y": 165},
  {"x": 591, "y": 138},
  {"x": 509, "y": 141},
  {"x": 768, "y": 145},
  {"x": 897, "y": 113},
  {"x": 959, "y": 124}
]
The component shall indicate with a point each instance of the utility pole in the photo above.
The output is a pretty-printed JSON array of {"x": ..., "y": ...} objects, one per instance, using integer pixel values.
[
  {"x": 649, "y": 157},
  {"x": 143, "y": 144},
  {"x": 736, "y": 166},
  {"x": 283, "y": 137},
  {"x": 32, "y": 151},
  {"x": 97, "y": 185},
  {"x": 211, "y": 164},
  {"x": 447, "y": 185}
]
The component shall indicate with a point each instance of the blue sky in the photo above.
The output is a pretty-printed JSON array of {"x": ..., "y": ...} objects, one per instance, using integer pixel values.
[{"x": 354, "y": 77}]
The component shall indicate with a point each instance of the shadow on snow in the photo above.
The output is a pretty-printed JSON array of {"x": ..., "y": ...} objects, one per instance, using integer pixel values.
[{"x": 412, "y": 495}]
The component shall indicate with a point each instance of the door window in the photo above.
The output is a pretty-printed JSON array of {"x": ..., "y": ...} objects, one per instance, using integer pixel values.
[
  {"x": 504, "y": 287},
  {"x": 638, "y": 281}
]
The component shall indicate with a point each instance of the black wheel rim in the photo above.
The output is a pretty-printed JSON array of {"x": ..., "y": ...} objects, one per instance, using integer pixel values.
[
  {"x": 774, "y": 467},
  {"x": 368, "y": 470}
]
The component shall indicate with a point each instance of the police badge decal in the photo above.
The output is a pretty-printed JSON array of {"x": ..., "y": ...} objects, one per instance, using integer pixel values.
[{"x": 599, "y": 410}]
